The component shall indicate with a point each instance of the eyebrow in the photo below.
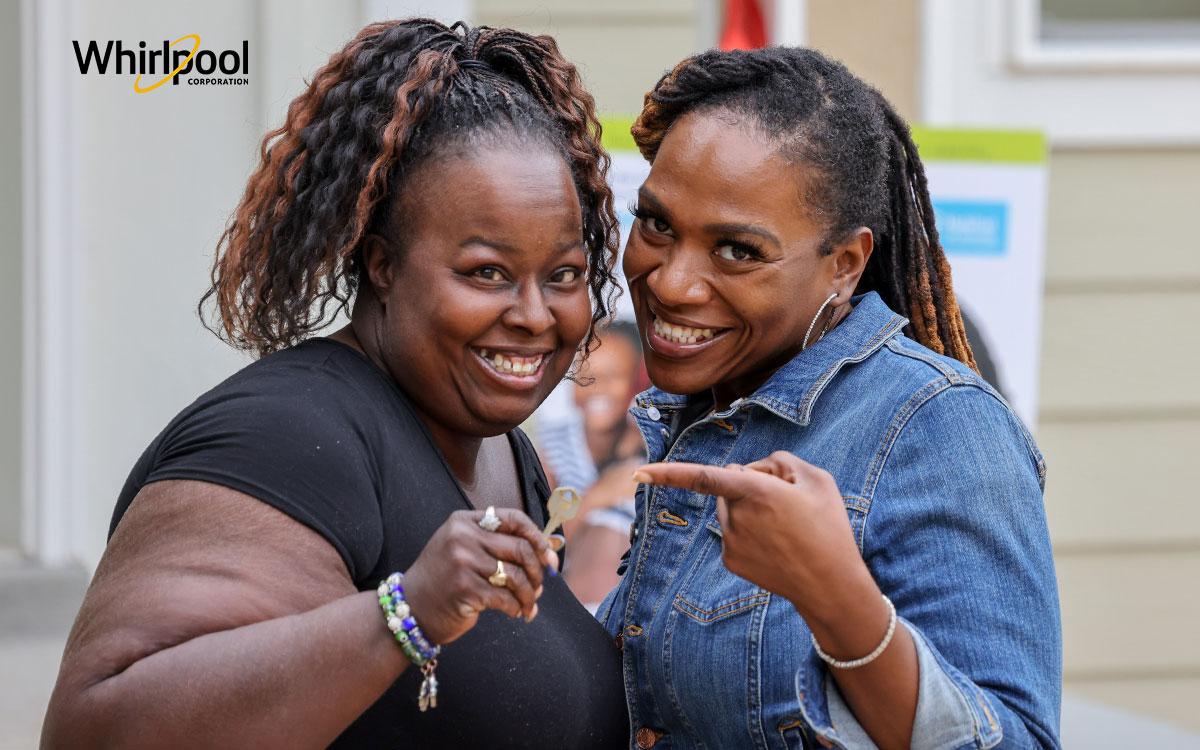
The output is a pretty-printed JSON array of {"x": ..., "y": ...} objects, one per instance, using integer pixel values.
[
  {"x": 743, "y": 229},
  {"x": 646, "y": 196},
  {"x": 508, "y": 249}
]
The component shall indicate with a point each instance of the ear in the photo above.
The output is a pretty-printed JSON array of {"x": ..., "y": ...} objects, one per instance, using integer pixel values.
[
  {"x": 380, "y": 265},
  {"x": 850, "y": 260}
]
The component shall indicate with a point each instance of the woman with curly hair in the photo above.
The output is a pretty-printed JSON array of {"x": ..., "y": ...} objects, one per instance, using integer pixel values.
[{"x": 341, "y": 543}]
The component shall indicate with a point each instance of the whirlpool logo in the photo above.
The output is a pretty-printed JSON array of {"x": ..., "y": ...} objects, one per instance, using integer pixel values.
[{"x": 176, "y": 60}]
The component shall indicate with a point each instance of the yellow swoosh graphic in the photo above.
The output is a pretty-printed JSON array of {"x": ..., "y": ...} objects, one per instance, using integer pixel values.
[{"x": 169, "y": 76}]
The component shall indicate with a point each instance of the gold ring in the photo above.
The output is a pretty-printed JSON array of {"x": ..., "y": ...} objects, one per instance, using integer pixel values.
[{"x": 499, "y": 579}]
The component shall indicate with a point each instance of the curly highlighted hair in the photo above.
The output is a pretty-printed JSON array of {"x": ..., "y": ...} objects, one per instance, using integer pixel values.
[
  {"x": 398, "y": 96},
  {"x": 865, "y": 170}
]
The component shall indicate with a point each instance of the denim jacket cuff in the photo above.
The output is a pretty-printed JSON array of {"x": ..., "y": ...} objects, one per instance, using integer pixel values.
[{"x": 952, "y": 712}]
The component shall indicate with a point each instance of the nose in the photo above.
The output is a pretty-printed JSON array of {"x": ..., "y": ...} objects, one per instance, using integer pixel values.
[
  {"x": 529, "y": 312},
  {"x": 680, "y": 281}
]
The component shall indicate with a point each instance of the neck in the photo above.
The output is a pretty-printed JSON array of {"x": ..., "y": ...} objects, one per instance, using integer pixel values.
[
  {"x": 460, "y": 451},
  {"x": 726, "y": 393}
]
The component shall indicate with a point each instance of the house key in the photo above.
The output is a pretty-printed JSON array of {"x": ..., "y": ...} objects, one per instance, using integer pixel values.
[{"x": 562, "y": 506}]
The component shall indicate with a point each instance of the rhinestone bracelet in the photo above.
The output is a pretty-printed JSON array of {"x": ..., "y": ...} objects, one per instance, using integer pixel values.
[
  {"x": 413, "y": 642},
  {"x": 853, "y": 663}
]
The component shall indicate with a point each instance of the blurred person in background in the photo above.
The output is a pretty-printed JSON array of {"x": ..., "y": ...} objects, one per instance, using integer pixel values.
[
  {"x": 843, "y": 540},
  {"x": 603, "y": 391},
  {"x": 448, "y": 185}
]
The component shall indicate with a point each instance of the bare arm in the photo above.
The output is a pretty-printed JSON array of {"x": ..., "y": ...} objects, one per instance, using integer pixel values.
[{"x": 216, "y": 620}]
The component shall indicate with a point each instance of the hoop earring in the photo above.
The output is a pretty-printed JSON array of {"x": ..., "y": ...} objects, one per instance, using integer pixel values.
[{"x": 817, "y": 317}]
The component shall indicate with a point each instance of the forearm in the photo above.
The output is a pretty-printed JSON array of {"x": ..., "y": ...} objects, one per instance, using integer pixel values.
[
  {"x": 294, "y": 681},
  {"x": 910, "y": 696},
  {"x": 882, "y": 694}
]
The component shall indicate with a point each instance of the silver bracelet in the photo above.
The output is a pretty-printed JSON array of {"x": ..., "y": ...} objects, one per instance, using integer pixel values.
[{"x": 853, "y": 663}]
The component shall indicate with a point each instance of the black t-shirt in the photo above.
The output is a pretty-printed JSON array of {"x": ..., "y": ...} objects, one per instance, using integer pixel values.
[{"x": 322, "y": 434}]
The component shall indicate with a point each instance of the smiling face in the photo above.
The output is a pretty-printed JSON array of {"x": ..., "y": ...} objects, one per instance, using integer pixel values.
[
  {"x": 486, "y": 302},
  {"x": 724, "y": 262}
]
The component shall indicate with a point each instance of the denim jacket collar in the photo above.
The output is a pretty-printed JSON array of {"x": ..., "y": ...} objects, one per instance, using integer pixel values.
[{"x": 792, "y": 390}]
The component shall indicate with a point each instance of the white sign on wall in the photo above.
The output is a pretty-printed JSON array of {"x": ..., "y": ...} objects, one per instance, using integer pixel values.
[{"x": 989, "y": 196}]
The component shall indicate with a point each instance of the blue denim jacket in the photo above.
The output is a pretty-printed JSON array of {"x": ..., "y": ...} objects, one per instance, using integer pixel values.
[{"x": 943, "y": 487}]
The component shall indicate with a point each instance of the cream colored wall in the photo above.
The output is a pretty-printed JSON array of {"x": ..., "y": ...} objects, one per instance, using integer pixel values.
[
  {"x": 1120, "y": 423},
  {"x": 621, "y": 47},
  {"x": 878, "y": 39},
  {"x": 10, "y": 279}
]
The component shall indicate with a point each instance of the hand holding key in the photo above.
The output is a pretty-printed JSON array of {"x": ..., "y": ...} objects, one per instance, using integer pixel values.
[{"x": 562, "y": 506}]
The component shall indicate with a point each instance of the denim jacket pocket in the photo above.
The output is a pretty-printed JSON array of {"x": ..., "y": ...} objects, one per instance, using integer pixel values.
[
  {"x": 711, "y": 593},
  {"x": 713, "y": 617}
]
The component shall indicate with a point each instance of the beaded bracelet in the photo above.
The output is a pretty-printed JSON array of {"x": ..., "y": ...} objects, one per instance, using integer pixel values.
[{"x": 413, "y": 642}]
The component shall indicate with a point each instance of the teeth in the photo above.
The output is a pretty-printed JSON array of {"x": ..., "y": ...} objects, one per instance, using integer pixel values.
[
  {"x": 511, "y": 365},
  {"x": 682, "y": 334}
]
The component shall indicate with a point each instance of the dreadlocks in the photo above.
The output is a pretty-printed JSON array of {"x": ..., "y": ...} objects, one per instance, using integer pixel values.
[
  {"x": 867, "y": 171},
  {"x": 400, "y": 95}
]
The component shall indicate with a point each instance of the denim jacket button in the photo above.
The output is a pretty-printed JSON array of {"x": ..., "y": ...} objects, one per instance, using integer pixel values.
[
  {"x": 647, "y": 737},
  {"x": 633, "y": 631},
  {"x": 667, "y": 518},
  {"x": 654, "y": 413}
]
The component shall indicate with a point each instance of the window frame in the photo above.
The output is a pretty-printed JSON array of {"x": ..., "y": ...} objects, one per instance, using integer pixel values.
[
  {"x": 1029, "y": 52},
  {"x": 972, "y": 74}
]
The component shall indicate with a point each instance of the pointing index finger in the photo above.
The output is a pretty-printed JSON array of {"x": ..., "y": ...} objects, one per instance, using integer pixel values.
[{"x": 730, "y": 483}]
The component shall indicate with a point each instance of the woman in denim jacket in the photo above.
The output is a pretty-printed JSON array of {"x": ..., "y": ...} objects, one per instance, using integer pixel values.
[{"x": 842, "y": 541}]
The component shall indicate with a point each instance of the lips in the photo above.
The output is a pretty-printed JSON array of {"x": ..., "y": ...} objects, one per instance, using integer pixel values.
[
  {"x": 681, "y": 334},
  {"x": 515, "y": 370},
  {"x": 678, "y": 339},
  {"x": 510, "y": 362}
]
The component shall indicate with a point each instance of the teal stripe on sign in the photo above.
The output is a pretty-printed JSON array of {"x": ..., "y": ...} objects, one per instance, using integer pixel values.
[{"x": 972, "y": 227}]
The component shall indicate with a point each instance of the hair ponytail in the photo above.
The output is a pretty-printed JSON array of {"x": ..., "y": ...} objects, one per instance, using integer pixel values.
[{"x": 919, "y": 281}]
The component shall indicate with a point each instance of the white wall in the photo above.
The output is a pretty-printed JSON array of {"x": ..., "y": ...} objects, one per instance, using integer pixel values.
[
  {"x": 151, "y": 180},
  {"x": 155, "y": 177},
  {"x": 10, "y": 279}
]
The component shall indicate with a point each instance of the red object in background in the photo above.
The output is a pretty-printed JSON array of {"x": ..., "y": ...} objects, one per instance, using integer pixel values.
[{"x": 744, "y": 26}]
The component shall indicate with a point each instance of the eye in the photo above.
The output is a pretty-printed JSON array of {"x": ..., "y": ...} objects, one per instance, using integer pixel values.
[
  {"x": 565, "y": 276},
  {"x": 737, "y": 252},
  {"x": 649, "y": 221},
  {"x": 488, "y": 273}
]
